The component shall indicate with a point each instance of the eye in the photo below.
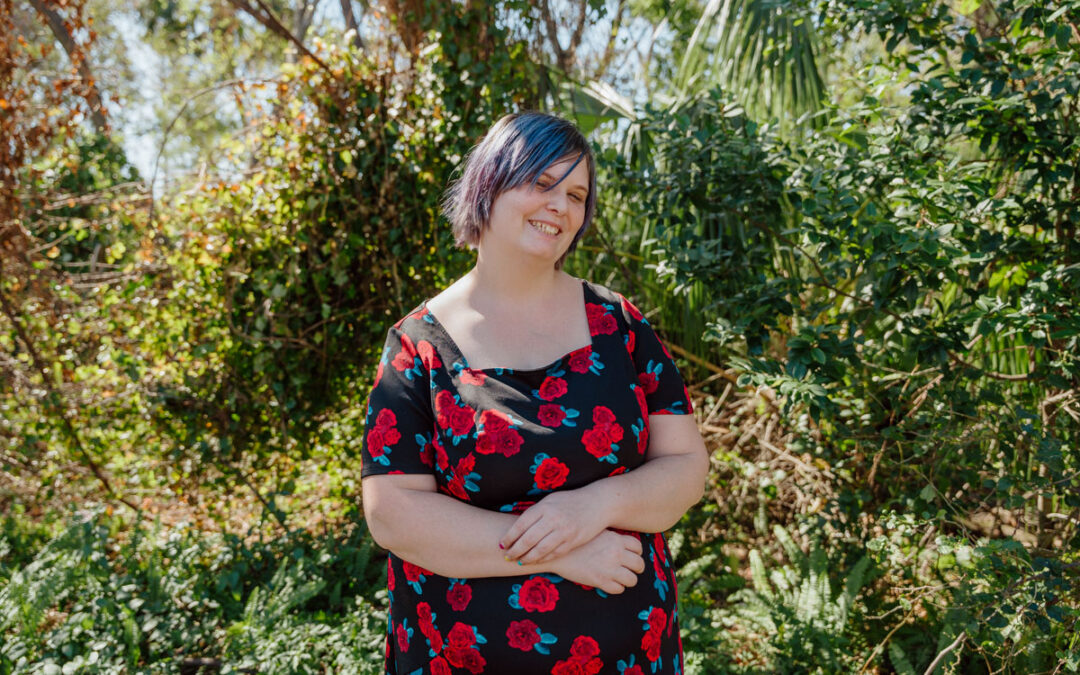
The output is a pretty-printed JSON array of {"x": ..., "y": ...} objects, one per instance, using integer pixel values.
[{"x": 577, "y": 197}]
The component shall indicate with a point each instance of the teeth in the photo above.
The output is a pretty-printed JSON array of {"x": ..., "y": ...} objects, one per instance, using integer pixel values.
[{"x": 544, "y": 227}]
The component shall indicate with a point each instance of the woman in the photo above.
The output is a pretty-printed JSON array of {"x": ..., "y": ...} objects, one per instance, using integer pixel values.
[{"x": 528, "y": 439}]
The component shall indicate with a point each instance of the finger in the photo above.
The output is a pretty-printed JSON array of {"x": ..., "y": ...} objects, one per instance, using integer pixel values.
[
  {"x": 632, "y": 562},
  {"x": 633, "y": 544},
  {"x": 523, "y": 523},
  {"x": 542, "y": 550},
  {"x": 564, "y": 548},
  {"x": 527, "y": 541},
  {"x": 626, "y": 577},
  {"x": 612, "y": 587}
]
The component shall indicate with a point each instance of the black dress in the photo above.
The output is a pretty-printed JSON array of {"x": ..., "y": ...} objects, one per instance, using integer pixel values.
[{"x": 501, "y": 439}]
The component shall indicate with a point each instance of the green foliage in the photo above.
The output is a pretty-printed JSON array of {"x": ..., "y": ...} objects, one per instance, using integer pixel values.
[
  {"x": 89, "y": 601},
  {"x": 286, "y": 279},
  {"x": 804, "y": 617}
]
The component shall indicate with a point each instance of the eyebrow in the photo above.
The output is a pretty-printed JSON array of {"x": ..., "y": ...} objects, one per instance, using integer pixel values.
[{"x": 573, "y": 186}]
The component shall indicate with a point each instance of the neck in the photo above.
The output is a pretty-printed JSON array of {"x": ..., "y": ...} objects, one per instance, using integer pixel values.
[{"x": 513, "y": 280}]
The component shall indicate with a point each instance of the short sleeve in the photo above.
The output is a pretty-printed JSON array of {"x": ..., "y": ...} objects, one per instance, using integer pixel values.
[
  {"x": 399, "y": 424},
  {"x": 665, "y": 391}
]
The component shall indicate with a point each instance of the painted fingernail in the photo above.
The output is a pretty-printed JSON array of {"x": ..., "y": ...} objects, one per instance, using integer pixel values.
[
  {"x": 501, "y": 547},
  {"x": 506, "y": 558},
  {"x": 520, "y": 563}
]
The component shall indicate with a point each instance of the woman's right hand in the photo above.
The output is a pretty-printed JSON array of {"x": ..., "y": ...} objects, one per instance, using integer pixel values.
[{"x": 610, "y": 562}]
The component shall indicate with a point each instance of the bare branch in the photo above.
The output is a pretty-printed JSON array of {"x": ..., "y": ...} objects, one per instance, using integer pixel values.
[
  {"x": 351, "y": 24},
  {"x": 266, "y": 17},
  {"x": 609, "y": 50},
  {"x": 78, "y": 59}
]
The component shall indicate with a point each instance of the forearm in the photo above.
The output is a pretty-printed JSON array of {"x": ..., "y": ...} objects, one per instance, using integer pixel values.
[
  {"x": 654, "y": 496},
  {"x": 442, "y": 534}
]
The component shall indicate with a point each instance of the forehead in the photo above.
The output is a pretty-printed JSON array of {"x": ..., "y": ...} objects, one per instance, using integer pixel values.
[{"x": 579, "y": 177}]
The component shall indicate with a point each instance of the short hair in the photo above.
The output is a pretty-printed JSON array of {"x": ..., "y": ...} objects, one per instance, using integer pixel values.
[{"x": 515, "y": 151}]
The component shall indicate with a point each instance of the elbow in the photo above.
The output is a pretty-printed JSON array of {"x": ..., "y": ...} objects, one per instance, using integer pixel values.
[
  {"x": 378, "y": 509},
  {"x": 696, "y": 488}
]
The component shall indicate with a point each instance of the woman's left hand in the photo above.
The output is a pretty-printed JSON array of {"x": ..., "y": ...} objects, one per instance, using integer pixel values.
[{"x": 554, "y": 526}]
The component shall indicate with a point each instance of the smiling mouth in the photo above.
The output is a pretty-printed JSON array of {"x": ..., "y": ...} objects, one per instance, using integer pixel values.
[{"x": 545, "y": 227}]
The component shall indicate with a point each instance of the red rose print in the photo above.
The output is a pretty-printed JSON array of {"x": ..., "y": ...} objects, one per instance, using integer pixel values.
[
  {"x": 402, "y": 361},
  {"x": 631, "y": 342},
  {"x": 538, "y": 594},
  {"x": 439, "y": 666},
  {"x": 599, "y": 439},
  {"x": 469, "y": 659},
  {"x": 631, "y": 310},
  {"x": 423, "y": 615},
  {"x": 405, "y": 359},
  {"x": 473, "y": 377},
  {"x": 413, "y": 572},
  {"x": 459, "y": 419},
  {"x": 596, "y": 443},
  {"x": 581, "y": 360},
  {"x": 552, "y": 388},
  {"x": 390, "y": 581},
  {"x": 601, "y": 322},
  {"x": 494, "y": 421},
  {"x": 441, "y": 459},
  {"x": 639, "y": 394},
  {"x": 384, "y": 433},
  {"x": 567, "y": 668},
  {"x": 459, "y": 596},
  {"x": 456, "y": 486},
  {"x": 402, "y": 638},
  {"x": 602, "y": 415},
  {"x": 521, "y": 507},
  {"x": 461, "y": 636},
  {"x": 584, "y": 648},
  {"x": 508, "y": 443},
  {"x": 523, "y": 635},
  {"x": 617, "y": 471},
  {"x": 551, "y": 474},
  {"x": 650, "y": 642},
  {"x": 427, "y": 355},
  {"x": 496, "y": 435},
  {"x": 551, "y": 415},
  {"x": 633, "y": 670},
  {"x": 593, "y": 666},
  {"x": 657, "y": 619},
  {"x": 648, "y": 382}
]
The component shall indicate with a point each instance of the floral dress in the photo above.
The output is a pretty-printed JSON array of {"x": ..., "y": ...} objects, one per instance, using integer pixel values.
[{"x": 501, "y": 439}]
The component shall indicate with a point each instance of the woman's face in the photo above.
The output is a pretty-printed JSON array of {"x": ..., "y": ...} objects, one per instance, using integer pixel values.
[{"x": 539, "y": 221}]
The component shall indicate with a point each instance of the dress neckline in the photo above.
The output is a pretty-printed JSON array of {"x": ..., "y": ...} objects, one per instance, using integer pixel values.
[{"x": 585, "y": 290}]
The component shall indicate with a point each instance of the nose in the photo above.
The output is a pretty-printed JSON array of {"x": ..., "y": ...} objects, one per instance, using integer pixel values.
[{"x": 557, "y": 200}]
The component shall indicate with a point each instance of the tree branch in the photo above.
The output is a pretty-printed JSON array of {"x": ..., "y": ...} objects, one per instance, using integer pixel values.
[
  {"x": 55, "y": 399},
  {"x": 351, "y": 24},
  {"x": 267, "y": 18},
  {"x": 78, "y": 59},
  {"x": 609, "y": 50}
]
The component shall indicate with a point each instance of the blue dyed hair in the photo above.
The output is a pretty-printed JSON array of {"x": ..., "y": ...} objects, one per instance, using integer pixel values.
[{"x": 514, "y": 152}]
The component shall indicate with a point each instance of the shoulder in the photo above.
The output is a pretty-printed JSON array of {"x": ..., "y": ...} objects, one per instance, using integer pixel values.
[{"x": 629, "y": 312}]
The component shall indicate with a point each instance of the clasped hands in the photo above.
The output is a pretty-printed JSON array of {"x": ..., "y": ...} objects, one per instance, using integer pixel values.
[{"x": 568, "y": 532}]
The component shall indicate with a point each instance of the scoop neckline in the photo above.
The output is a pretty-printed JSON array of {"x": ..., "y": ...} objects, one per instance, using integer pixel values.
[{"x": 502, "y": 369}]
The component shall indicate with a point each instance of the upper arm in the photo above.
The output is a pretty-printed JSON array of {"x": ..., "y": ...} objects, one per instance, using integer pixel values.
[
  {"x": 674, "y": 435},
  {"x": 664, "y": 391},
  {"x": 399, "y": 425},
  {"x": 386, "y": 496}
]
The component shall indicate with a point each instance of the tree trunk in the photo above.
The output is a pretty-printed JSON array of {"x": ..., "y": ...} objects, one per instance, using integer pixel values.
[{"x": 79, "y": 60}]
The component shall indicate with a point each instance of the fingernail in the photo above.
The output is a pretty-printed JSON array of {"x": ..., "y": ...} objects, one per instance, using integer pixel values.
[
  {"x": 520, "y": 563},
  {"x": 501, "y": 547},
  {"x": 506, "y": 558}
]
